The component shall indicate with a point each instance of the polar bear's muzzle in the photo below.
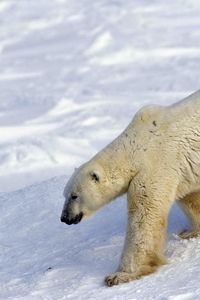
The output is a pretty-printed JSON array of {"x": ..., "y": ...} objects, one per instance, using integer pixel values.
[{"x": 71, "y": 219}]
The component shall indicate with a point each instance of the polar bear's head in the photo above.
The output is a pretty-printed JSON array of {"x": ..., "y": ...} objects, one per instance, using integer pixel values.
[{"x": 90, "y": 187}]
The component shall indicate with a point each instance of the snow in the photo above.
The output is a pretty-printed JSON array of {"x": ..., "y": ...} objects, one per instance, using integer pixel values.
[{"x": 73, "y": 73}]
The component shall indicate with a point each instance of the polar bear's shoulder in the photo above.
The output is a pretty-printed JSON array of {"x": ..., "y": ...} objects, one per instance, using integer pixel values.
[{"x": 148, "y": 113}]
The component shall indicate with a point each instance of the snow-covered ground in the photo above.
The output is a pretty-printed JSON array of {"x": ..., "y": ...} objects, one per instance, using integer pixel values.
[{"x": 73, "y": 73}]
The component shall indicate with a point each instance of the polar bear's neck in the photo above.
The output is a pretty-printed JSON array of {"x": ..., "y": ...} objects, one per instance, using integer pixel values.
[{"x": 117, "y": 157}]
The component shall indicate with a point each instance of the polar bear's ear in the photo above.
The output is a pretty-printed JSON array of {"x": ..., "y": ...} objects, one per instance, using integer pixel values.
[{"x": 95, "y": 176}]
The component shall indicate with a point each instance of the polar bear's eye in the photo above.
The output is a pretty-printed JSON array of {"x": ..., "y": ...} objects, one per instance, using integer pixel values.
[
  {"x": 73, "y": 196},
  {"x": 94, "y": 176}
]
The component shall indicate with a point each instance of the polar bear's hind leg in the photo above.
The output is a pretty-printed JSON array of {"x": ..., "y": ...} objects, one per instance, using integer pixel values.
[{"x": 191, "y": 206}]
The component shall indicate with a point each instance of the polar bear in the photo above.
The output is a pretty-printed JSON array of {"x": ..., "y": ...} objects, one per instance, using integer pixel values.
[{"x": 155, "y": 160}]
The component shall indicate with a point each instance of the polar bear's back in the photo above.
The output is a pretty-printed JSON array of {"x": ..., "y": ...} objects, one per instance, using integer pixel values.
[{"x": 189, "y": 106}]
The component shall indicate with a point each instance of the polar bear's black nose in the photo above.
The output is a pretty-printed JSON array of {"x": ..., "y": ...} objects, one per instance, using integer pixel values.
[
  {"x": 63, "y": 218},
  {"x": 71, "y": 220}
]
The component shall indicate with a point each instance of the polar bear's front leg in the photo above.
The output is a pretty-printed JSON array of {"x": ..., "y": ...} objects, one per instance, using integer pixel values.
[{"x": 147, "y": 223}]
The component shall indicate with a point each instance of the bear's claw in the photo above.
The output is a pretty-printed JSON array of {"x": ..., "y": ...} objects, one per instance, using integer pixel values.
[{"x": 118, "y": 278}]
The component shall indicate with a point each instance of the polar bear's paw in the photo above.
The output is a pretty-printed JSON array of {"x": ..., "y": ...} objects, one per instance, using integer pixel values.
[
  {"x": 186, "y": 234},
  {"x": 118, "y": 278}
]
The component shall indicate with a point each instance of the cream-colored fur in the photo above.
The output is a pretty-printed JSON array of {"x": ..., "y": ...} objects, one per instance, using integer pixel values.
[{"x": 155, "y": 160}]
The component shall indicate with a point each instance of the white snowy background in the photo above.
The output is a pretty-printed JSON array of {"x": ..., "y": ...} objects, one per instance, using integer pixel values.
[{"x": 72, "y": 75}]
